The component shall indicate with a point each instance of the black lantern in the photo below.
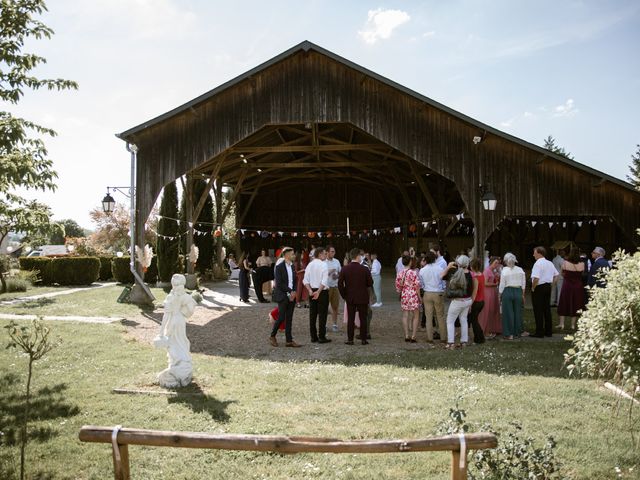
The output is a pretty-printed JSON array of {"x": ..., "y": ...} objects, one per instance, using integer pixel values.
[
  {"x": 489, "y": 200},
  {"x": 108, "y": 203}
]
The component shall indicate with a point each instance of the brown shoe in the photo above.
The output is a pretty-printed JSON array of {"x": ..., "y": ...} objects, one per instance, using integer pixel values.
[
  {"x": 293, "y": 344},
  {"x": 273, "y": 341}
]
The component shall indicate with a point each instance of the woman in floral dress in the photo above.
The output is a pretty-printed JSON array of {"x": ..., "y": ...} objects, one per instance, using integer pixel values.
[{"x": 408, "y": 286}]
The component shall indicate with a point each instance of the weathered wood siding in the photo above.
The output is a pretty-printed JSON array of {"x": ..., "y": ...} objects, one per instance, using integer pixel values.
[{"x": 311, "y": 87}]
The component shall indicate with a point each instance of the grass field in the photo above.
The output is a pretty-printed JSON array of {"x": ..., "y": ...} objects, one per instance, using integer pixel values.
[
  {"x": 392, "y": 396},
  {"x": 94, "y": 302},
  {"x": 30, "y": 292}
]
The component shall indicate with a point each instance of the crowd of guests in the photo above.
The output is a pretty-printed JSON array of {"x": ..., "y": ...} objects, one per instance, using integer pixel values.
[
  {"x": 490, "y": 300},
  {"x": 480, "y": 300}
]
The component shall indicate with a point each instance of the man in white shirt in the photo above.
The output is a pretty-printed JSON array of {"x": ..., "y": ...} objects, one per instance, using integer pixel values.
[
  {"x": 543, "y": 275},
  {"x": 376, "y": 269},
  {"x": 333, "y": 273},
  {"x": 316, "y": 282},
  {"x": 433, "y": 298},
  {"x": 399, "y": 266}
]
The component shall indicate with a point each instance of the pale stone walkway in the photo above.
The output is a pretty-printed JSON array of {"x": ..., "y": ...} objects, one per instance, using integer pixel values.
[
  {"x": 54, "y": 294},
  {"x": 68, "y": 318}
]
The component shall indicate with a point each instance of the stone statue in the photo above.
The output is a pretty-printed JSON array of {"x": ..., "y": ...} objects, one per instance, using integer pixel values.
[{"x": 173, "y": 335}]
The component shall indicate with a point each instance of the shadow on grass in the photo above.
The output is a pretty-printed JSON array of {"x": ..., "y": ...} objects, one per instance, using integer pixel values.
[
  {"x": 47, "y": 403},
  {"x": 38, "y": 303},
  {"x": 526, "y": 358},
  {"x": 198, "y": 401}
]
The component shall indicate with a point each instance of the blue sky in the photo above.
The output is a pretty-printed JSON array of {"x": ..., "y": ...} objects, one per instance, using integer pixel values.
[{"x": 569, "y": 68}]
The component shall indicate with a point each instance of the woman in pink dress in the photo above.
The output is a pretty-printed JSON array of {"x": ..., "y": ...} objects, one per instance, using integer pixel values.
[
  {"x": 408, "y": 286},
  {"x": 489, "y": 318}
]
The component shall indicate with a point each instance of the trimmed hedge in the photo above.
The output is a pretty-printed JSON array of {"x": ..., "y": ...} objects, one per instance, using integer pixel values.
[
  {"x": 120, "y": 270},
  {"x": 41, "y": 265},
  {"x": 105, "y": 268},
  {"x": 63, "y": 270},
  {"x": 122, "y": 273},
  {"x": 75, "y": 270}
]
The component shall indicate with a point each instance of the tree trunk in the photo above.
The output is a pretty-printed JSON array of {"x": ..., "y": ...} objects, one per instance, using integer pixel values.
[{"x": 25, "y": 420}]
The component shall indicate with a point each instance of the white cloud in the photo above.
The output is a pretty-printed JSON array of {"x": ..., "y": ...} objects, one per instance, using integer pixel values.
[
  {"x": 429, "y": 34},
  {"x": 567, "y": 109},
  {"x": 381, "y": 24}
]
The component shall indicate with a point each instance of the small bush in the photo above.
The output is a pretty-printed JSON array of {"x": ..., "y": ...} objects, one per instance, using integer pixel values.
[
  {"x": 120, "y": 270},
  {"x": 606, "y": 344},
  {"x": 17, "y": 284},
  {"x": 40, "y": 265},
  {"x": 105, "y": 268},
  {"x": 74, "y": 270},
  {"x": 515, "y": 457},
  {"x": 122, "y": 273}
]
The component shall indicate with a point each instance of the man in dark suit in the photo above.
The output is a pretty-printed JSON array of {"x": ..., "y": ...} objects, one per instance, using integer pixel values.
[
  {"x": 353, "y": 284},
  {"x": 284, "y": 293}
]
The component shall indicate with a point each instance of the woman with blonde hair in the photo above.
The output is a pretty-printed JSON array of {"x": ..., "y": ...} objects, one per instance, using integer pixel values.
[
  {"x": 461, "y": 290},
  {"x": 512, "y": 287}
]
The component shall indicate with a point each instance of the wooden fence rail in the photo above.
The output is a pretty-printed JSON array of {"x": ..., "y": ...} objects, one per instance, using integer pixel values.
[{"x": 120, "y": 438}]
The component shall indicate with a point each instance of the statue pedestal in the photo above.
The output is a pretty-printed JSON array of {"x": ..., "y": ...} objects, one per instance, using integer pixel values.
[
  {"x": 192, "y": 281},
  {"x": 139, "y": 296}
]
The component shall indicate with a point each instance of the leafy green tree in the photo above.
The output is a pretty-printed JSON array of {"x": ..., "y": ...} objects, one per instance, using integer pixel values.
[
  {"x": 69, "y": 228},
  {"x": 23, "y": 156},
  {"x": 168, "y": 241},
  {"x": 634, "y": 168},
  {"x": 550, "y": 144}
]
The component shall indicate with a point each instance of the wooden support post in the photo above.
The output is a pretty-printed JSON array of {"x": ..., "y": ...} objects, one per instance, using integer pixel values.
[
  {"x": 217, "y": 190},
  {"x": 425, "y": 191},
  {"x": 190, "y": 220},
  {"x": 405, "y": 237},
  {"x": 456, "y": 472},
  {"x": 419, "y": 226},
  {"x": 121, "y": 462},
  {"x": 234, "y": 195}
]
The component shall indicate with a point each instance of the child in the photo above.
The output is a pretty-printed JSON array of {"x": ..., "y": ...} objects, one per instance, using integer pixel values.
[{"x": 273, "y": 318}]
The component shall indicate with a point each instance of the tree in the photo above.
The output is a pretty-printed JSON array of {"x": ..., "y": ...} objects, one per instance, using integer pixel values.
[
  {"x": 23, "y": 156},
  {"x": 35, "y": 344},
  {"x": 112, "y": 230},
  {"x": 634, "y": 168},
  {"x": 550, "y": 144},
  {"x": 68, "y": 228},
  {"x": 168, "y": 241},
  {"x": 202, "y": 228}
]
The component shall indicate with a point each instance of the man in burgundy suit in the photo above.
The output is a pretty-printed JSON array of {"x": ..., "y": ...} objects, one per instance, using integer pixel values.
[{"x": 353, "y": 284}]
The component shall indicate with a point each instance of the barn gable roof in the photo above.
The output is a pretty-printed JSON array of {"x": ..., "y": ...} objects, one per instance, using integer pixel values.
[{"x": 307, "y": 46}]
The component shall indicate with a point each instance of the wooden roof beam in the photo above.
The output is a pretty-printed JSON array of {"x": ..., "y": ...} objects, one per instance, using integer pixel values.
[
  {"x": 308, "y": 149},
  {"x": 425, "y": 191}
]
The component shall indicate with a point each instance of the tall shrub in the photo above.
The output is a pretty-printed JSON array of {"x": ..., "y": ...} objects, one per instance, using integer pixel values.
[
  {"x": 203, "y": 226},
  {"x": 75, "y": 270},
  {"x": 168, "y": 242},
  {"x": 40, "y": 265},
  {"x": 607, "y": 342}
]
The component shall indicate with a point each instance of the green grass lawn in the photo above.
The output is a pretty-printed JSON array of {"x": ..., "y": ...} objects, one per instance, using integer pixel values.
[
  {"x": 93, "y": 302},
  {"x": 394, "y": 396},
  {"x": 30, "y": 292}
]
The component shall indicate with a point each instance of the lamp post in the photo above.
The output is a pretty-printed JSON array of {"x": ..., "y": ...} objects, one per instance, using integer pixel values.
[{"x": 108, "y": 206}]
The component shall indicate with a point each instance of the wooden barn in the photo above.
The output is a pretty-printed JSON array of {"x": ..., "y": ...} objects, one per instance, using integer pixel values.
[{"x": 309, "y": 139}]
